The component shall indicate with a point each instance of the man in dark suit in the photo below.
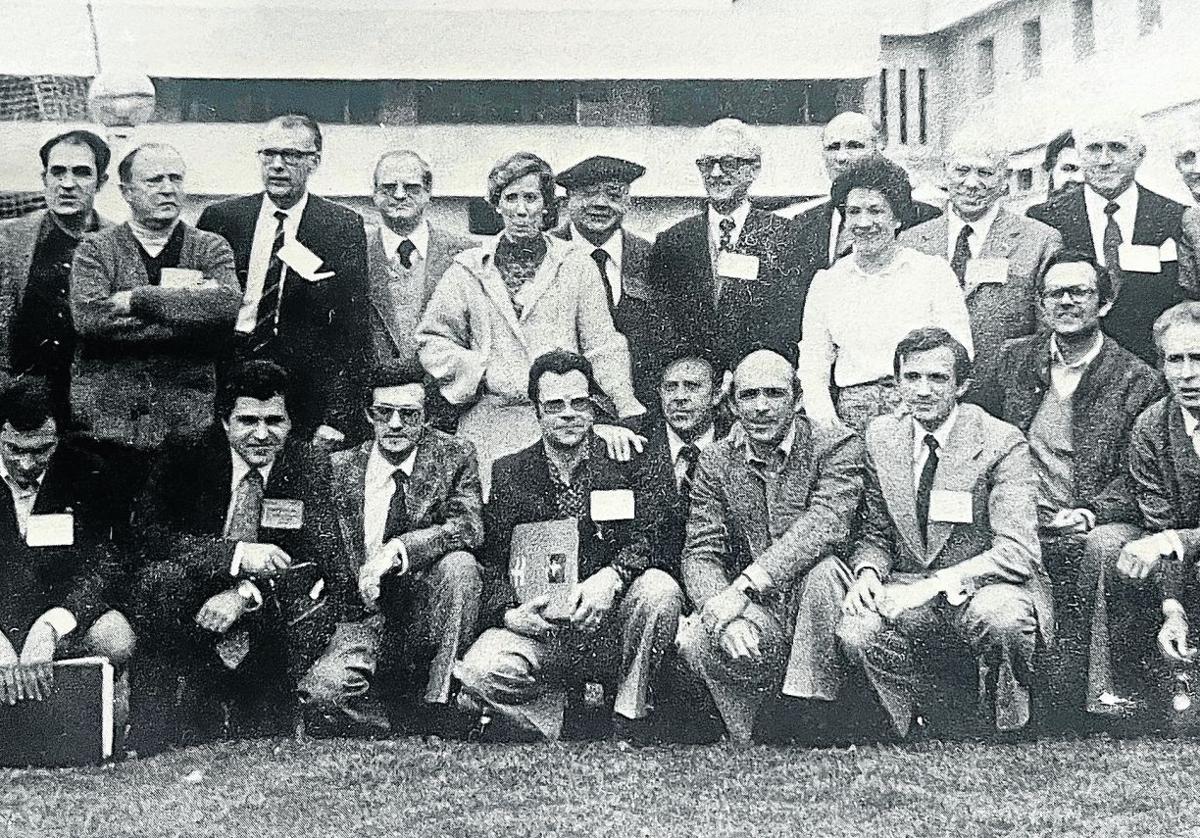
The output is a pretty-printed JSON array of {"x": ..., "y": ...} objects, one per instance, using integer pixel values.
[
  {"x": 597, "y": 201},
  {"x": 731, "y": 276},
  {"x": 624, "y": 611},
  {"x": 57, "y": 560},
  {"x": 1127, "y": 228},
  {"x": 243, "y": 573},
  {"x": 410, "y": 510},
  {"x": 765, "y": 509},
  {"x": 302, "y": 263}
]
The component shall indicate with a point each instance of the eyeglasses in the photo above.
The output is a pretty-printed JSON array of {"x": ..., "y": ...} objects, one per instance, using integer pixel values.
[
  {"x": 1075, "y": 293},
  {"x": 289, "y": 156},
  {"x": 413, "y": 190},
  {"x": 612, "y": 191},
  {"x": 581, "y": 404},
  {"x": 728, "y": 163},
  {"x": 384, "y": 412}
]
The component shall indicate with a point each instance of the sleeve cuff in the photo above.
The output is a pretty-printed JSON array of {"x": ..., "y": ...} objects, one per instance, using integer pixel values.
[
  {"x": 235, "y": 567},
  {"x": 1172, "y": 608},
  {"x": 956, "y": 590},
  {"x": 61, "y": 620},
  {"x": 861, "y": 566},
  {"x": 250, "y": 592},
  {"x": 759, "y": 578},
  {"x": 1176, "y": 543},
  {"x": 402, "y": 555}
]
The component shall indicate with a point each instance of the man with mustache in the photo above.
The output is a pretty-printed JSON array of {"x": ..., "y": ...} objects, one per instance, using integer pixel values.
[
  {"x": 1187, "y": 161},
  {"x": 36, "y": 251},
  {"x": 1062, "y": 165}
]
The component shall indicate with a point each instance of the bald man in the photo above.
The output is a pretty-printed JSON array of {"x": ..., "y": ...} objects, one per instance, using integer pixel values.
[
  {"x": 729, "y": 276},
  {"x": 1127, "y": 228},
  {"x": 997, "y": 255}
]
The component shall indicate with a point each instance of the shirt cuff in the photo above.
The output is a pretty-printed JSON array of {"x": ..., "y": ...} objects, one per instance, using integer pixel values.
[
  {"x": 249, "y": 591},
  {"x": 1173, "y": 608},
  {"x": 759, "y": 578},
  {"x": 402, "y": 563},
  {"x": 956, "y": 590},
  {"x": 1089, "y": 516},
  {"x": 861, "y": 566},
  {"x": 61, "y": 620},
  {"x": 235, "y": 567},
  {"x": 1176, "y": 543}
]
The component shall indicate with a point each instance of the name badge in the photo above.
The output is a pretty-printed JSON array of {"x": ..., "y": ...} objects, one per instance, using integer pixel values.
[
  {"x": 181, "y": 278},
  {"x": 987, "y": 272},
  {"x": 303, "y": 261},
  {"x": 282, "y": 514},
  {"x": 1168, "y": 251},
  {"x": 612, "y": 505},
  {"x": 737, "y": 265},
  {"x": 950, "y": 507},
  {"x": 50, "y": 530},
  {"x": 1139, "y": 258}
]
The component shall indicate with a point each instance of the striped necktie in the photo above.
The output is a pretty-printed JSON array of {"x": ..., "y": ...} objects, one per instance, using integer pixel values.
[{"x": 266, "y": 326}]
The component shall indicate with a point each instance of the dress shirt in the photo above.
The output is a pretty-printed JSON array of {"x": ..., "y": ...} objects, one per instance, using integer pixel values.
[
  {"x": 676, "y": 444},
  {"x": 377, "y": 495},
  {"x": 1126, "y": 216},
  {"x": 1066, "y": 377},
  {"x": 260, "y": 257},
  {"x": 1190, "y": 423},
  {"x": 771, "y": 475},
  {"x": 614, "y": 248},
  {"x": 835, "y": 222},
  {"x": 921, "y": 450},
  {"x": 419, "y": 237},
  {"x": 714, "y": 230},
  {"x": 979, "y": 230}
]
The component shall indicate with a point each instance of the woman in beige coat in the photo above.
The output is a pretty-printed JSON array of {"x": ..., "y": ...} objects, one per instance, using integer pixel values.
[{"x": 500, "y": 306}]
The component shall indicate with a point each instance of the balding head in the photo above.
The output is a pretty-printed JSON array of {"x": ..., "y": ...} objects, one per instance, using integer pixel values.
[
  {"x": 848, "y": 138},
  {"x": 977, "y": 169},
  {"x": 1112, "y": 146},
  {"x": 764, "y": 396}
]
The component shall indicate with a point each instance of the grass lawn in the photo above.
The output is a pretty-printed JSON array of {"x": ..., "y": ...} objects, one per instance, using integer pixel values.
[{"x": 413, "y": 787}]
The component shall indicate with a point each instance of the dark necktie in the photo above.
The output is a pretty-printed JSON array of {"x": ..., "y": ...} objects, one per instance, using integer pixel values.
[
  {"x": 925, "y": 484},
  {"x": 1112, "y": 240},
  {"x": 247, "y": 508},
  {"x": 398, "y": 522},
  {"x": 962, "y": 254},
  {"x": 600, "y": 257},
  {"x": 267, "y": 326},
  {"x": 727, "y": 226},
  {"x": 405, "y": 252},
  {"x": 689, "y": 454}
]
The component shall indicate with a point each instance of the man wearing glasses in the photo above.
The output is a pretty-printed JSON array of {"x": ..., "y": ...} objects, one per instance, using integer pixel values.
[
  {"x": 624, "y": 611},
  {"x": 1075, "y": 393},
  {"x": 302, "y": 264},
  {"x": 730, "y": 276},
  {"x": 410, "y": 509}
]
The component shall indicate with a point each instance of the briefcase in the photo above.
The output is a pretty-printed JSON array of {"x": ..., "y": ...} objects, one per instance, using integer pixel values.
[
  {"x": 544, "y": 559},
  {"x": 74, "y": 726}
]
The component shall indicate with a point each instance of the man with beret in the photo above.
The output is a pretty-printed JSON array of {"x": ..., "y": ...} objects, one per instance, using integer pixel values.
[{"x": 597, "y": 201}]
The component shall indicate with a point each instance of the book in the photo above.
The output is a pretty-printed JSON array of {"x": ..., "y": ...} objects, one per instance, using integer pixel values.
[
  {"x": 544, "y": 559},
  {"x": 74, "y": 726}
]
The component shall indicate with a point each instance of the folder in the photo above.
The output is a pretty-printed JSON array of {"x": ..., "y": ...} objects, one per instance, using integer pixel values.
[
  {"x": 74, "y": 726},
  {"x": 544, "y": 559}
]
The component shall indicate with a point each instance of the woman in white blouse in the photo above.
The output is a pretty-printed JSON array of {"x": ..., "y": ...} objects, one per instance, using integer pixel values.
[{"x": 859, "y": 309}]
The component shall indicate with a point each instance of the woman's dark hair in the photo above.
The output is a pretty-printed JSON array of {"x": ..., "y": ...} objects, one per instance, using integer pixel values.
[
  {"x": 881, "y": 175},
  {"x": 517, "y": 166}
]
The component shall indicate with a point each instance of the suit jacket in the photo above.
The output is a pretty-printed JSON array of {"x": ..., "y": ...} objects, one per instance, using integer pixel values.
[
  {"x": 815, "y": 227},
  {"x": 180, "y": 516},
  {"x": 524, "y": 493},
  {"x": 397, "y": 306},
  {"x": 638, "y": 314},
  {"x": 1143, "y": 296},
  {"x": 1114, "y": 390},
  {"x": 1165, "y": 472},
  {"x": 442, "y": 497},
  {"x": 141, "y": 377},
  {"x": 983, "y": 457},
  {"x": 729, "y": 528},
  {"x": 765, "y": 309},
  {"x": 998, "y": 312},
  {"x": 323, "y": 339},
  {"x": 1189, "y": 253},
  {"x": 80, "y": 577}
]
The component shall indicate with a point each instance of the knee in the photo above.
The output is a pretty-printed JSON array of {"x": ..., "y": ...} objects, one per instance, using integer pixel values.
[
  {"x": 857, "y": 634},
  {"x": 491, "y": 662},
  {"x": 460, "y": 572},
  {"x": 1102, "y": 545},
  {"x": 326, "y": 687},
  {"x": 158, "y": 591},
  {"x": 656, "y": 592},
  {"x": 112, "y": 637},
  {"x": 827, "y": 580},
  {"x": 696, "y": 643},
  {"x": 1002, "y": 613}
]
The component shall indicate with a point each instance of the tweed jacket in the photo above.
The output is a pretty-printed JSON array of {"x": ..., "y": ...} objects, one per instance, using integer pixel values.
[
  {"x": 1189, "y": 253},
  {"x": 138, "y": 378},
  {"x": 733, "y": 525},
  {"x": 398, "y": 301},
  {"x": 998, "y": 311},
  {"x": 1114, "y": 390},
  {"x": 983, "y": 457},
  {"x": 442, "y": 497}
]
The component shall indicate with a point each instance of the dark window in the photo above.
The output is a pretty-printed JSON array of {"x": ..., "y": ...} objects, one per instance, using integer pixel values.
[
  {"x": 922, "y": 107},
  {"x": 496, "y": 102},
  {"x": 903, "y": 94},
  {"x": 883, "y": 103},
  {"x": 766, "y": 102},
  {"x": 1085, "y": 28},
  {"x": 1031, "y": 54},
  {"x": 985, "y": 66},
  {"x": 1024, "y": 179},
  {"x": 257, "y": 100}
]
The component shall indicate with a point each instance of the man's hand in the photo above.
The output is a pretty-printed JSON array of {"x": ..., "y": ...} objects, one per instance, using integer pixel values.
[
  {"x": 1173, "y": 639},
  {"x": 1141, "y": 556},
  {"x": 221, "y": 611},
  {"x": 739, "y": 640},
  {"x": 864, "y": 595},
  {"x": 724, "y": 608},
  {"x": 594, "y": 598},
  {"x": 327, "y": 437},
  {"x": 621, "y": 442},
  {"x": 527, "y": 619},
  {"x": 370, "y": 576},
  {"x": 896, "y": 599},
  {"x": 36, "y": 672},
  {"x": 9, "y": 676},
  {"x": 122, "y": 303},
  {"x": 262, "y": 561},
  {"x": 1072, "y": 521}
]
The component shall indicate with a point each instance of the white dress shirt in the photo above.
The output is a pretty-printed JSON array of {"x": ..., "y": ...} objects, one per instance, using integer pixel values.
[
  {"x": 834, "y": 224},
  {"x": 979, "y": 230},
  {"x": 1126, "y": 216},
  {"x": 921, "y": 450},
  {"x": 614, "y": 249},
  {"x": 714, "y": 225},
  {"x": 676, "y": 444},
  {"x": 419, "y": 237},
  {"x": 1065, "y": 377},
  {"x": 377, "y": 495},
  {"x": 260, "y": 257}
]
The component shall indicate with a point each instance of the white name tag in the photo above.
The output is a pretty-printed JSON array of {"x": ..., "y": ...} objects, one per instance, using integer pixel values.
[
  {"x": 1168, "y": 251},
  {"x": 612, "y": 505},
  {"x": 282, "y": 514},
  {"x": 1140, "y": 258},
  {"x": 737, "y": 265},
  {"x": 987, "y": 272},
  {"x": 50, "y": 530},
  {"x": 302, "y": 260},
  {"x": 181, "y": 278},
  {"x": 951, "y": 507}
]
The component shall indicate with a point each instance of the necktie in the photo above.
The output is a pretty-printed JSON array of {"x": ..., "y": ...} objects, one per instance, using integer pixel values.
[
  {"x": 1112, "y": 242},
  {"x": 962, "y": 254},
  {"x": 247, "y": 508},
  {"x": 727, "y": 226},
  {"x": 925, "y": 484},
  {"x": 267, "y": 325},
  {"x": 688, "y": 455},
  {"x": 600, "y": 257},
  {"x": 398, "y": 522},
  {"x": 405, "y": 252}
]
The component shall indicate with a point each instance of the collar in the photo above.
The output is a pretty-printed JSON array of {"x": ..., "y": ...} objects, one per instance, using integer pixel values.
[
  {"x": 942, "y": 434},
  {"x": 92, "y": 225},
  {"x": 24, "y": 492},
  {"x": 268, "y": 209},
  {"x": 1056, "y": 358},
  {"x": 1095, "y": 202},
  {"x": 1190, "y": 422},
  {"x": 419, "y": 237},
  {"x": 900, "y": 262},
  {"x": 675, "y": 442},
  {"x": 614, "y": 247},
  {"x": 241, "y": 468},
  {"x": 980, "y": 227},
  {"x": 552, "y": 466},
  {"x": 739, "y": 216},
  {"x": 380, "y": 468},
  {"x": 785, "y": 446},
  {"x": 153, "y": 240}
]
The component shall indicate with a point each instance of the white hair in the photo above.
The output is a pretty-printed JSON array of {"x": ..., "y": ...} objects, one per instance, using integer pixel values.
[{"x": 729, "y": 136}]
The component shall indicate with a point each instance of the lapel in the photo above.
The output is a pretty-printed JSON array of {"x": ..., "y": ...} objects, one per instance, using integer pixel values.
[
  {"x": 931, "y": 237},
  {"x": 309, "y": 230},
  {"x": 428, "y": 469},
  {"x": 488, "y": 276},
  {"x": 958, "y": 471},
  {"x": 816, "y": 226},
  {"x": 239, "y": 231},
  {"x": 1150, "y": 223},
  {"x": 1073, "y": 223},
  {"x": 437, "y": 259},
  {"x": 387, "y": 297},
  {"x": 658, "y": 449},
  {"x": 756, "y": 239},
  {"x": 747, "y": 500},
  {"x": 547, "y": 274},
  {"x": 214, "y": 474},
  {"x": 352, "y": 492},
  {"x": 695, "y": 259},
  {"x": 893, "y": 457},
  {"x": 34, "y": 230},
  {"x": 1183, "y": 455}
]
